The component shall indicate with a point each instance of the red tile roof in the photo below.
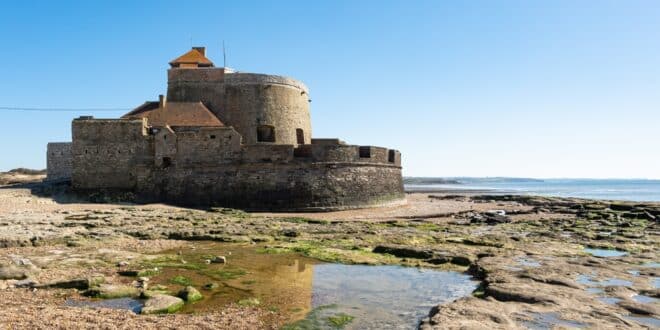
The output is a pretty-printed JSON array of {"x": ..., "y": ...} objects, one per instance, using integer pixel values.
[
  {"x": 175, "y": 114},
  {"x": 192, "y": 57}
]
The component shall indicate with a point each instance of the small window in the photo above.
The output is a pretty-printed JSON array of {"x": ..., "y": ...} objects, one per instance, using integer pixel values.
[
  {"x": 365, "y": 152},
  {"x": 265, "y": 133},
  {"x": 300, "y": 136},
  {"x": 212, "y": 136},
  {"x": 391, "y": 156},
  {"x": 164, "y": 137},
  {"x": 167, "y": 162}
]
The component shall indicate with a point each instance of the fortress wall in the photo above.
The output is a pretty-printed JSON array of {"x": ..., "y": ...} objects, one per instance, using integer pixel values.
[
  {"x": 252, "y": 100},
  {"x": 198, "y": 84},
  {"x": 107, "y": 152},
  {"x": 267, "y": 153},
  {"x": 59, "y": 161},
  {"x": 207, "y": 146},
  {"x": 293, "y": 186}
]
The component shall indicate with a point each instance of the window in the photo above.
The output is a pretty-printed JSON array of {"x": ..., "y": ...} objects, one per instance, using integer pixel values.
[
  {"x": 212, "y": 136},
  {"x": 365, "y": 152},
  {"x": 167, "y": 162},
  {"x": 391, "y": 156},
  {"x": 265, "y": 133},
  {"x": 300, "y": 135}
]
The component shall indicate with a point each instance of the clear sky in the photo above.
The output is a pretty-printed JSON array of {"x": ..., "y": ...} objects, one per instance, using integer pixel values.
[{"x": 462, "y": 88}]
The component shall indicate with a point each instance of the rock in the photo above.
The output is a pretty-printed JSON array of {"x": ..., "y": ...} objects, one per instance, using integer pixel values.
[
  {"x": 517, "y": 292},
  {"x": 219, "y": 260},
  {"x": 12, "y": 273},
  {"x": 80, "y": 284},
  {"x": 461, "y": 260},
  {"x": 496, "y": 212},
  {"x": 290, "y": 233},
  {"x": 639, "y": 308},
  {"x": 162, "y": 304},
  {"x": 122, "y": 264},
  {"x": 108, "y": 291},
  {"x": 210, "y": 286},
  {"x": 190, "y": 294},
  {"x": 26, "y": 283},
  {"x": 404, "y": 252}
]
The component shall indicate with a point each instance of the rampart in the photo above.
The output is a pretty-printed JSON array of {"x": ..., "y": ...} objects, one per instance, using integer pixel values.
[
  {"x": 211, "y": 166},
  {"x": 59, "y": 161}
]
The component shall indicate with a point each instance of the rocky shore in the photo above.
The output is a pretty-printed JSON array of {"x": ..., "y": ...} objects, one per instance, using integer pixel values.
[{"x": 542, "y": 262}]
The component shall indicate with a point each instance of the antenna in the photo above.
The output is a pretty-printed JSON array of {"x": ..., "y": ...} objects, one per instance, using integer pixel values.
[{"x": 224, "y": 55}]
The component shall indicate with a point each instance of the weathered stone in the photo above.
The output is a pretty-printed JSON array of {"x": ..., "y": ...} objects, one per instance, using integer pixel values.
[
  {"x": 108, "y": 291},
  {"x": 639, "y": 308},
  {"x": 190, "y": 294},
  {"x": 80, "y": 284},
  {"x": 219, "y": 260},
  {"x": 11, "y": 272},
  {"x": 404, "y": 252},
  {"x": 162, "y": 304}
]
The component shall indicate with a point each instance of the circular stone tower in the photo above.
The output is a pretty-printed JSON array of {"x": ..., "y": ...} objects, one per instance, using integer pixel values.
[{"x": 267, "y": 109}]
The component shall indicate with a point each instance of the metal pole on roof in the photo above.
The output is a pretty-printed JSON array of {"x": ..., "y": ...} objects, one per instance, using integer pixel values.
[{"x": 224, "y": 55}]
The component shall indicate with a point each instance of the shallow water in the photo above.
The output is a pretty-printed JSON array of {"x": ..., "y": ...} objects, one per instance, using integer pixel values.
[
  {"x": 640, "y": 298},
  {"x": 652, "y": 322},
  {"x": 300, "y": 288},
  {"x": 385, "y": 297},
  {"x": 543, "y": 321},
  {"x": 130, "y": 304},
  {"x": 605, "y": 253},
  {"x": 589, "y": 281}
]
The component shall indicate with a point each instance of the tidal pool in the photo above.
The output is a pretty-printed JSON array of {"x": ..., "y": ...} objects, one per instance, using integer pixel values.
[
  {"x": 130, "y": 304},
  {"x": 605, "y": 253},
  {"x": 304, "y": 292}
]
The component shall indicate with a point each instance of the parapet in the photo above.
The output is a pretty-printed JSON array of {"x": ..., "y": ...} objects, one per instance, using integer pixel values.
[{"x": 263, "y": 79}]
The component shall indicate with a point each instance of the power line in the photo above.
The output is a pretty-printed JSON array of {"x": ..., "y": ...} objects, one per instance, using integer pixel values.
[{"x": 62, "y": 109}]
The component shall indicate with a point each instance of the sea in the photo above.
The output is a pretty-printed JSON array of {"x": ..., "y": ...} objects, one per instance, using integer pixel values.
[{"x": 641, "y": 190}]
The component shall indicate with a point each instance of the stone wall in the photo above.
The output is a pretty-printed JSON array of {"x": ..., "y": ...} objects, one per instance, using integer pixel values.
[
  {"x": 276, "y": 186},
  {"x": 210, "y": 166},
  {"x": 253, "y": 100},
  {"x": 199, "y": 84},
  {"x": 59, "y": 161},
  {"x": 107, "y": 153},
  {"x": 247, "y": 101}
]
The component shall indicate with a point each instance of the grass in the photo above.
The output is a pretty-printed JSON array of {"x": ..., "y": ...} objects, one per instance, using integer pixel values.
[
  {"x": 340, "y": 320},
  {"x": 249, "y": 302},
  {"x": 224, "y": 274},
  {"x": 181, "y": 280}
]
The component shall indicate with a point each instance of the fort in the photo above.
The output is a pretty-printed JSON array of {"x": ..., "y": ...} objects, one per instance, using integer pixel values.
[{"x": 226, "y": 138}]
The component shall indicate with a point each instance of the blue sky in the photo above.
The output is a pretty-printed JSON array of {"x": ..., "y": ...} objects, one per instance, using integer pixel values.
[{"x": 462, "y": 88}]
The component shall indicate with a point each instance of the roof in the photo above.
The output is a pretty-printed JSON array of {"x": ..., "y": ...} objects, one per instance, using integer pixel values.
[
  {"x": 175, "y": 114},
  {"x": 194, "y": 57}
]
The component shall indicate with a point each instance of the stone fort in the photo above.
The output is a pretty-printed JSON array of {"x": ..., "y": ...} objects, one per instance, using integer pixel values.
[{"x": 225, "y": 138}]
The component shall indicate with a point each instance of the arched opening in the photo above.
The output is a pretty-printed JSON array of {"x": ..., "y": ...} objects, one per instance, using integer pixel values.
[{"x": 265, "y": 133}]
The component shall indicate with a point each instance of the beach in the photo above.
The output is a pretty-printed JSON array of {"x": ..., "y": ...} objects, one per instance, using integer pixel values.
[{"x": 538, "y": 261}]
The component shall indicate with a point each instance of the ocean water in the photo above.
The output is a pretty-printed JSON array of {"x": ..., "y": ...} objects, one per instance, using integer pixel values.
[{"x": 614, "y": 189}]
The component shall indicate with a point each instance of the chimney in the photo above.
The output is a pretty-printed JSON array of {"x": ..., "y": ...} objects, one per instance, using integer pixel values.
[
  {"x": 201, "y": 50},
  {"x": 162, "y": 101}
]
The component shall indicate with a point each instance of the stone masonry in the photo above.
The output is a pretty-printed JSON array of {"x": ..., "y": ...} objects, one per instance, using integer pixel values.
[{"x": 257, "y": 154}]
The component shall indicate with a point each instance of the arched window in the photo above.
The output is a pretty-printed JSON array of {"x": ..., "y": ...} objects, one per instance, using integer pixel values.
[{"x": 265, "y": 133}]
